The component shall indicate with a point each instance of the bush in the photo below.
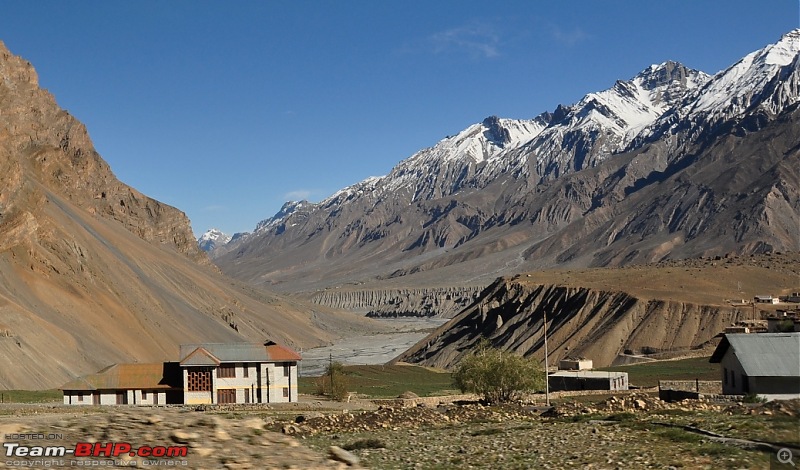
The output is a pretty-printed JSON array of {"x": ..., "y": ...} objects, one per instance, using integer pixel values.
[
  {"x": 365, "y": 444},
  {"x": 334, "y": 383},
  {"x": 498, "y": 376},
  {"x": 753, "y": 398}
]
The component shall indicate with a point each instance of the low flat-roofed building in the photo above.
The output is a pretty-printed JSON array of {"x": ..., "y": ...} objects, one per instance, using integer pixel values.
[
  {"x": 127, "y": 384},
  {"x": 575, "y": 364},
  {"x": 568, "y": 380}
]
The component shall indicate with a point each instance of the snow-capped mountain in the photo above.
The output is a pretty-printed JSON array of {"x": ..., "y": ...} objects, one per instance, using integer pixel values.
[
  {"x": 290, "y": 208},
  {"x": 569, "y": 139},
  {"x": 213, "y": 238},
  {"x": 763, "y": 82},
  {"x": 602, "y": 124},
  {"x": 586, "y": 183}
]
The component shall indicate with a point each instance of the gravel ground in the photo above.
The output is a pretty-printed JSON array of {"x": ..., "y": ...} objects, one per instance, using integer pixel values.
[
  {"x": 634, "y": 432},
  {"x": 617, "y": 433}
]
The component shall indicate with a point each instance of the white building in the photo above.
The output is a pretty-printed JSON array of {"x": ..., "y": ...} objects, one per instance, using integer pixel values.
[
  {"x": 587, "y": 380},
  {"x": 208, "y": 373},
  {"x": 767, "y": 364},
  {"x": 575, "y": 364},
  {"x": 217, "y": 373}
]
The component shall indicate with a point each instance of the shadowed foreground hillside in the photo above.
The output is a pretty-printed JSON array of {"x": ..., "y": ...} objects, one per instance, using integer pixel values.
[{"x": 94, "y": 272}]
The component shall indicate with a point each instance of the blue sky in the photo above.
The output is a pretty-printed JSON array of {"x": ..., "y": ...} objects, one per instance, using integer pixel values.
[{"x": 227, "y": 109}]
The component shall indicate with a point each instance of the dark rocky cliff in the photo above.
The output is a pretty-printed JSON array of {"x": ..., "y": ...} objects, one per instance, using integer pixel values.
[
  {"x": 581, "y": 322},
  {"x": 53, "y": 147},
  {"x": 444, "y": 302}
]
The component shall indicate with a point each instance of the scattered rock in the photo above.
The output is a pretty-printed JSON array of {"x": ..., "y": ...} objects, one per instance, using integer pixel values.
[
  {"x": 341, "y": 455},
  {"x": 182, "y": 437}
]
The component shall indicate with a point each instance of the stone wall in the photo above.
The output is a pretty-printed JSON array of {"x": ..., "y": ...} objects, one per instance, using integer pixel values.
[
  {"x": 706, "y": 387},
  {"x": 425, "y": 401}
]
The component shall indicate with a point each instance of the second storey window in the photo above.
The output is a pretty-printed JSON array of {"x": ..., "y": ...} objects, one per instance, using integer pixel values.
[
  {"x": 226, "y": 371},
  {"x": 286, "y": 369}
]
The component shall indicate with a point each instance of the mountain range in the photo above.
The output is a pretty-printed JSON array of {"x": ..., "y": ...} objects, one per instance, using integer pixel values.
[{"x": 672, "y": 163}]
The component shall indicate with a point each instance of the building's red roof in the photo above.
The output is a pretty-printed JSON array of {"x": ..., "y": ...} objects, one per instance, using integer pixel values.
[
  {"x": 276, "y": 352},
  {"x": 125, "y": 377}
]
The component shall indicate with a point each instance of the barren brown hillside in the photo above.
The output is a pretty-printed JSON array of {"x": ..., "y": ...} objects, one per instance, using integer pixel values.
[
  {"x": 675, "y": 308},
  {"x": 94, "y": 272},
  {"x": 708, "y": 281}
]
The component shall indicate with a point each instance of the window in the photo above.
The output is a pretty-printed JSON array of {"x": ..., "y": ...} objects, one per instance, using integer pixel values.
[
  {"x": 245, "y": 370},
  {"x": 80, "y": 396},
  {"x": 144, "y": 395},
  {"x": 226, "y": 371},
  {"x": 246, "y": 395},
  {"x": 285, "y": 392},
  {"x": 286, "y": 367},
  {"x": 226, "y": 395},
  {"x": 199, "y": 380}
]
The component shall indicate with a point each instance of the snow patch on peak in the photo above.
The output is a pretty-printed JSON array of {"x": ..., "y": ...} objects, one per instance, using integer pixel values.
[
  {"x": 732, "y": 90},
  {"x": 367, "y": 184},
  {"x": 288, "y": 208},
  {"x": 630, "y": 105},
  {"x": 784, "y": 51},
  {"x": 669, "y": 74},
  {"x": 215, "y": 235},
  {"x": 484, "y": 141},
  {"x": 213, "y": 238}
]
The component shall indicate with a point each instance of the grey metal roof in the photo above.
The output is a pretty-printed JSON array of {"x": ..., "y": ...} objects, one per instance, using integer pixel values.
[
  {"x": 230, "y": 352},
  {"x": 763, "y": 354},
  {"x": 199, "y": 357}
]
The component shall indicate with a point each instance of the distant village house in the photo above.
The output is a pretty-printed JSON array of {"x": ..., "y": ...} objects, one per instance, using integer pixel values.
[
  {"x": 573, "y": 380},
  {"x": 575, "y": 364},
  {"x": 766, "y": 364}
]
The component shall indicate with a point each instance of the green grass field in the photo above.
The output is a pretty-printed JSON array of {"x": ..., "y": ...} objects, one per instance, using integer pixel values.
[
  {"x": 379, "y": 381},
  {"x": 30, "y": 396},
  {"x": 648, "y": 374}
]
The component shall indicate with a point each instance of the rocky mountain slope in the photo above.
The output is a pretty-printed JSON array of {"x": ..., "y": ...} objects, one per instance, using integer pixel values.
[
  {"x": 443, "y": 302},
  {"x": 93, "y": 272},
  {"x": 607, "y": 314},
  {"x": 672, "y": 163}
]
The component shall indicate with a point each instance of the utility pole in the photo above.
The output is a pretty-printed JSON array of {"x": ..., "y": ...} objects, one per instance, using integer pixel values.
[
  {"x": 546, "y": 364},
  {"x": 330, "y": 370}
]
